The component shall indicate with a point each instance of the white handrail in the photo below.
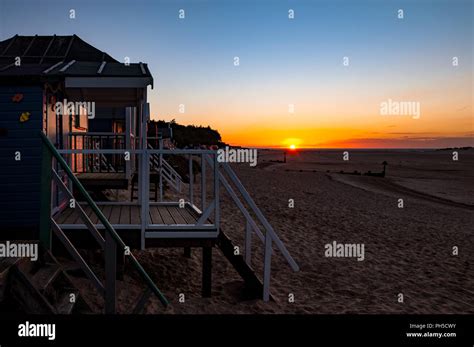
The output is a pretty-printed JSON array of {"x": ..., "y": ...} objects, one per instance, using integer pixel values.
[
  {"x": 260, "y": 216},
  {"x": 270, "y": 234},
  {"x": 169, "y": 173}
]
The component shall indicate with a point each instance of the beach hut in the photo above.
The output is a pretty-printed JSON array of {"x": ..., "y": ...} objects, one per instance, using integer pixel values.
[
  {"x": 38, "y": 73},
  {"x": 73, "y": 123}
]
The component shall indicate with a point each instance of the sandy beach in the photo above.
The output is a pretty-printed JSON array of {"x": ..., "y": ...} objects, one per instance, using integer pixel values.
[{"x": 408, "y": 250}]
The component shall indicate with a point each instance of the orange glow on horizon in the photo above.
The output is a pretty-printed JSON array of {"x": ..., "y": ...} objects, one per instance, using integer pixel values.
[
  {"x": 347, "y": 115},
  {"x": 338, "y": 137}
]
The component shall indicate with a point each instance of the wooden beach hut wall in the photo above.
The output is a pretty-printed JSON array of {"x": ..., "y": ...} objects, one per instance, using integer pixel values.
[{"x": 37, "y": 72}]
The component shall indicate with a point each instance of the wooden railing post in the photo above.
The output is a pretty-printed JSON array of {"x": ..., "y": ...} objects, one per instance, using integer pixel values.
[
  {"x": 216, "y": 192},
  {"x": 191, "y": 192},
  {"x": 267, "y": 266},
  {"x": 110, "y": 273},
  {"x": 45, "y": 198},
  {"x": 128, "y": 140},
  {"x": 203, "y": 182},
  {"x": 248, "y": 243},
  {"x": 206, "y": 271},
  {"x": 161, "y": 170}
]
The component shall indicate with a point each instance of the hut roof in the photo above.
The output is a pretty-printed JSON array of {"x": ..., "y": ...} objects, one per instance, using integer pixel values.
[{"x": 55, "y": 56}]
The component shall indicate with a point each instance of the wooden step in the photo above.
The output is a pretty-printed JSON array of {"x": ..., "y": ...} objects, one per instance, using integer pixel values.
[
  {"x": 254, "y": 287},
  {"x": 5, "y": 265},
  {"x": 42, "y": 287},
  {"x": 24, "y": 264},
  {"x": 45, "y": 276}
]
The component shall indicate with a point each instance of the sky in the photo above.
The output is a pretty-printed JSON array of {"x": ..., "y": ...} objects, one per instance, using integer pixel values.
[{"x": 291, "y": 85}]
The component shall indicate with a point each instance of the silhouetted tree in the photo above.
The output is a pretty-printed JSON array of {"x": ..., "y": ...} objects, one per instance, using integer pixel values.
[{"x": 189, "y": 135}]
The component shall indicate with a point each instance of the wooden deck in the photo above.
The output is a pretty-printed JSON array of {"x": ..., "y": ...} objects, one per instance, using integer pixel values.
[
  {"x": 103, "y": 180},
  {"x": 130, "y": 215}
]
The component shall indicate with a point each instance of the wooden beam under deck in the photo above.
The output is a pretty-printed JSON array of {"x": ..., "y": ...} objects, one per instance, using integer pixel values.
[{"x": 132, "y": 238}]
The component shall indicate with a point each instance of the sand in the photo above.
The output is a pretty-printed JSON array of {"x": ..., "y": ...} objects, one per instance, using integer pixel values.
[{"x": 407, "y": 250}]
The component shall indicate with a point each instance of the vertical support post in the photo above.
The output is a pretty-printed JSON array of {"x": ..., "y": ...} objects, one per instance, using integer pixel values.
[
  {"x": 91, "y": 155},
  {"x": 128, "y": 139},
  {"x": 45, "y": 205},
  {"x": 84, "y": 156},
  {"x": 105, "y": 157},
  {"x": 203, "y": 182},
  {"x": 75, "y": 154},
  {"x": 206, "y": 271},
  {"x": 110, "y": 273},
  {"x": 267, "y": 266},
  {"x": 140, "y": 117},
  {"x": 216, "y": 192},
  {"x": 248, "y": 243},
  {"x": 187, "y": 252},
  {"x": 144, "y": 175},
  {"x": 161, "y": 170},
  {"x": 145, "y": 201},
  {"x": 191, "y": 193},
  {"x": 133, "y": 139}
]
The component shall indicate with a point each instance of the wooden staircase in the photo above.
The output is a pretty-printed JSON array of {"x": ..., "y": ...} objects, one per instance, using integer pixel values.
[
  {"x": 154, "y": 178},
  {"x": 42, "y": 287},
  {"x": 253, "y": 285}
]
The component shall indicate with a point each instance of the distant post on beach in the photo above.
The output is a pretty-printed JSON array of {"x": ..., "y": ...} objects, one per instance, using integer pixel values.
[{"x": 384, "y": 165}]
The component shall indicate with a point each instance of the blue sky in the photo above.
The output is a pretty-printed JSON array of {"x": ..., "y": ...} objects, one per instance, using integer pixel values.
[{"x": 282, "y": 61}]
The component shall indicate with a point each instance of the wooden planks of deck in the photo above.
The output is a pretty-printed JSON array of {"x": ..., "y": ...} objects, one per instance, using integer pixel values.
[
  {"x": 169, "y": 215},
  {"x": 130, "y": 215}
]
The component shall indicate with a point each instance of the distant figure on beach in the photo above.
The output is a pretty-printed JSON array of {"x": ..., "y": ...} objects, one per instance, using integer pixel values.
[{"x": 384, "y": 165}]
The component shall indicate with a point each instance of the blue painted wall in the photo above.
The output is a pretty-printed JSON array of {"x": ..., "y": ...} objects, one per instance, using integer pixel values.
[{"x": 20, "y": 180}]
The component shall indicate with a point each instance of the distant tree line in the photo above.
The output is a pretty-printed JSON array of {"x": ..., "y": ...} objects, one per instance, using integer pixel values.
[{"x": 189, "y": 135}]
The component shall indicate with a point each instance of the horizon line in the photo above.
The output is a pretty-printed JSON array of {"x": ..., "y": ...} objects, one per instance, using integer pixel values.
[{"x": 357, "y": 148}]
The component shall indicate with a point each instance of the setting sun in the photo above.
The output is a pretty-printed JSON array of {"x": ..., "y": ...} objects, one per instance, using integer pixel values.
[{"x": 292, "y": 147}]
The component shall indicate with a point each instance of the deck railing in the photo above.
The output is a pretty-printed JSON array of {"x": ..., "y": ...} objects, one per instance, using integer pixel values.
[
  {"x": 209, "y": 212},
  {"x": 97, "y": 162},
  {"x": 268, "y": 238},
  {"x": 111, "y": 244},
  {"x": 202, "y": 228}
]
